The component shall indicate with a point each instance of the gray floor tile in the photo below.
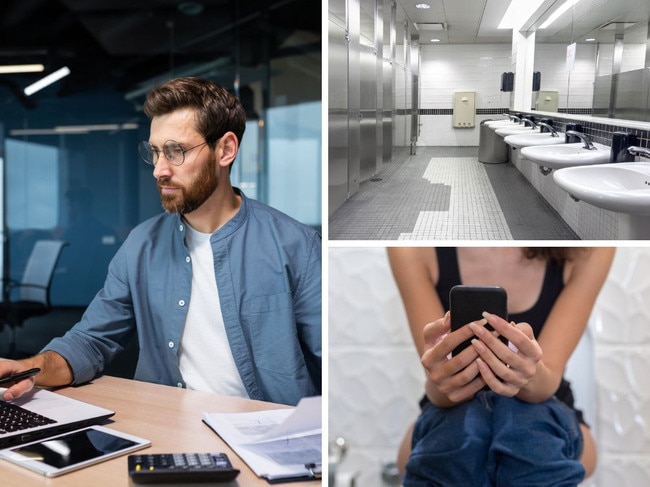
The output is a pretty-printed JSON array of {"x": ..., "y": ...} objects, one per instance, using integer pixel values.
[{"x": 444, "y": 193}]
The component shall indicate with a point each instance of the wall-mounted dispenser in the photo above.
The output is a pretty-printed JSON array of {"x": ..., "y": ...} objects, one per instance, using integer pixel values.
[
  {"x": 620, "y": 142},
  {"x": 507, "y": 81},
  {"x": 537, "y": 80},
  {"x": 547, "y": 101},
  {"x": 464, "y": 109}
]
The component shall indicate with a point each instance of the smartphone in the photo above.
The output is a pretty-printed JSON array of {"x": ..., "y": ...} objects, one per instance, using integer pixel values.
[
  {"x": 467, "y": 304},
  {"x": 71, "y": 451},
  {"x": 19, "y": 376}
]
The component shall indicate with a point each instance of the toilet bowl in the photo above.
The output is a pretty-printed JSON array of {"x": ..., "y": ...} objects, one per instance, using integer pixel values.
[{"x": 580, "y": 373}]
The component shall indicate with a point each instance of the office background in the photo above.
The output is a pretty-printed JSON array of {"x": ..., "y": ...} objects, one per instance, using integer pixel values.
[
  {"x": 68, "y": 153},
  {"x": 376, "y": 380}
]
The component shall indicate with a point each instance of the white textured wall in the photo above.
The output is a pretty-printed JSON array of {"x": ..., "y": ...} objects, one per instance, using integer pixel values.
[{"x": 375, "y": 378}]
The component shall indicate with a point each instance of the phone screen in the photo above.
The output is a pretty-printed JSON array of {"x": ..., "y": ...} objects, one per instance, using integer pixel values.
[{"x": 467, "y": 303}]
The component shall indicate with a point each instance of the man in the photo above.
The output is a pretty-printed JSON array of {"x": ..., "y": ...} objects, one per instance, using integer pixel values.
[{"x": 223, "y": 291}]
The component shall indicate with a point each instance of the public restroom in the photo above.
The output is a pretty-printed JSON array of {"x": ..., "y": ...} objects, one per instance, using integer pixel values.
[
  {"x": 376, "y": 378},
  {"x": 411, "y": 88}
]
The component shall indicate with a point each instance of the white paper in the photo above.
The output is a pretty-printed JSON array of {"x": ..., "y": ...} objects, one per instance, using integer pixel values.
[
  {"x": 570, "y": 56},
  {"x": 275, "y": 443}
]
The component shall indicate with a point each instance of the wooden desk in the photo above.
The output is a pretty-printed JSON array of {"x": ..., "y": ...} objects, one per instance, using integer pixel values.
[{"x": 168, "y": 416}]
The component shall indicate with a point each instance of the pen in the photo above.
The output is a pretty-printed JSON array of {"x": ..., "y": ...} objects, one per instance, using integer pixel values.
[{"x": 19, "y": 376}]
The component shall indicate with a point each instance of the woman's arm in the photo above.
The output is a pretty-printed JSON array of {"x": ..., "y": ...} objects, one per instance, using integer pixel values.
[
  {"x": 415, "y": 271},
  {"x": 568, "y": 320},
  {"x": 449, "y": 381},
  {"x": 534, "y": 373}
]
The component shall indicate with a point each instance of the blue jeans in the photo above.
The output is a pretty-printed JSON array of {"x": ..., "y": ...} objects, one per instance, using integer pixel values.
[{"x": 494, "y": 440}]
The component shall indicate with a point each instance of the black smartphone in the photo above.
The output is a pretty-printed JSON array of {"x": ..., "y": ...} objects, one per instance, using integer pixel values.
[
  {"x": 467, "y": 304},
  {"x": 19, "y": 376}
]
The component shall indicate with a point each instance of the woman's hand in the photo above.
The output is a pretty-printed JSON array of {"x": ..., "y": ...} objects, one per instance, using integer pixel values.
[
  {"x": 506, "y": 369},
  {"x": 458, "y": 377}
]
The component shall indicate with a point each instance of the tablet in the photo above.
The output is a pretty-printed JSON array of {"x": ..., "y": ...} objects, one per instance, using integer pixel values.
[{"x": 71, "y": 451}]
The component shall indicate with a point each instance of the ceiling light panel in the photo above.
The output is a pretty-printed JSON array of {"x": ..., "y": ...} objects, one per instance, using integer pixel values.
[{"x": 518, "y": 13}]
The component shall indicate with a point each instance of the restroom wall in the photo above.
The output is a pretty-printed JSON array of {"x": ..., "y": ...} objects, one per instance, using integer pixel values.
[
  {"x": 460, "y": 67},
  {"x": 376, "y": 380},
  {"x": 478, "y": 67}
]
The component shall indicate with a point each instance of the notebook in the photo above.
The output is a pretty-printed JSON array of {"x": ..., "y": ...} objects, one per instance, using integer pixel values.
[{"x": 53, "y": 414}]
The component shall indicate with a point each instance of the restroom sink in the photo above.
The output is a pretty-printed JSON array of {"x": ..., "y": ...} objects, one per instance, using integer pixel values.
[
  {"x": 516, "y": 129},
  {"x": 566, "y": 155},
  {"x": 621, "y": 187},
  {"x": 500, "y": 123},
  {"x": 519, "y": 141}
]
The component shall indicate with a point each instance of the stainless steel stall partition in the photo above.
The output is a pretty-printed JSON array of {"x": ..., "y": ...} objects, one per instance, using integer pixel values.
[{"x": 371, "y": 78}]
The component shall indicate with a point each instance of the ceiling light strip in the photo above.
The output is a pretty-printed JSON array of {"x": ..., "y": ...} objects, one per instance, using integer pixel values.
[
  {"x": 518, "y": 12},
  {"x": 47, "y": 80},
  {"x": 21, "y": 68},
  {"x": 555, "y": 15}
]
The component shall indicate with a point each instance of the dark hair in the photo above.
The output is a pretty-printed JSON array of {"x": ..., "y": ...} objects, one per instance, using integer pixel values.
[
  {"x": 217, "y": 110},
  {"x": 559, "y": 254}
]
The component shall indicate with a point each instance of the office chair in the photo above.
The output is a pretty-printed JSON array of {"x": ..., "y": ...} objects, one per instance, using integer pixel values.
[{"x": 31, "y": 296}]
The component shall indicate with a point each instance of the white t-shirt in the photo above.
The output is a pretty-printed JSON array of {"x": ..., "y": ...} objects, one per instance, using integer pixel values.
[{"x": 205, "y": 360}]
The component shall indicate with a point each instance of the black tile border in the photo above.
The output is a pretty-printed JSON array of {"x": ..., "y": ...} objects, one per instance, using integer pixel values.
[{"x": 600, "y": 132}]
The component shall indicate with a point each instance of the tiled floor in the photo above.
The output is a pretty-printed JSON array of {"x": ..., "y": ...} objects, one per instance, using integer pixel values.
[{"x": 444, "y": 193}]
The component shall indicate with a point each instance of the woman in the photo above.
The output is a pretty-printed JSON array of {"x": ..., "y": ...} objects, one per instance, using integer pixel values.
[{"x": 499, "y": 414}]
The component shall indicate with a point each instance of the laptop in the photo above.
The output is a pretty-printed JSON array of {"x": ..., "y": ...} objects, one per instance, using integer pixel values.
[{"x": 41, "y": 413}]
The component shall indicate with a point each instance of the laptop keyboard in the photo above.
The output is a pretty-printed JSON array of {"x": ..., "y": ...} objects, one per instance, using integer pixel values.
[{"x": 14, "y": 418}]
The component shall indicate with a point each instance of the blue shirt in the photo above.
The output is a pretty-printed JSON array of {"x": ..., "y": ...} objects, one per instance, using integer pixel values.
[{"x": 268, "y": 271}]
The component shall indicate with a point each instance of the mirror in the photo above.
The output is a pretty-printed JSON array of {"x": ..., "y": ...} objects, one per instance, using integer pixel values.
[{"x": 609, "y": 76}]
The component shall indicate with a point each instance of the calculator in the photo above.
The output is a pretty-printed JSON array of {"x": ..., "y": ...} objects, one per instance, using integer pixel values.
[{"x": 181, "y": 467}]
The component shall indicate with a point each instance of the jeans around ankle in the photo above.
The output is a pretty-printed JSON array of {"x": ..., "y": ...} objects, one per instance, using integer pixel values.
[{"x": 499, "y": 441}]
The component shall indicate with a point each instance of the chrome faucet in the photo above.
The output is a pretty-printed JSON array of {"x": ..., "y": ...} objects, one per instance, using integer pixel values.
[
  {"x": 586, "y": 140},
  {"x": 639, "y": 151},
  {"x": 514, "y": 118},
  {"x": 549, "y": 127},
  {"x": 528, "y": 121}
]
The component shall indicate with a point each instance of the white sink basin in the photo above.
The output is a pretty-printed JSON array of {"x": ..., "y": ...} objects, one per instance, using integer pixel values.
[
  {"x": 566, "y": 155},
  {"x": 519, "y": 141},
  {"x": 500, "y": 123},
  {"x": 621, "y": 187},
  {"x": 516, "y": 129}
]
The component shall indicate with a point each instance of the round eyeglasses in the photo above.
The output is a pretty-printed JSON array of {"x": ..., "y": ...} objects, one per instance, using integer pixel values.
[{"x": 173, "y": 151}]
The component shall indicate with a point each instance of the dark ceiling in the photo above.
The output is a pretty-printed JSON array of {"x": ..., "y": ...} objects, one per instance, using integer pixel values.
[{"x": 123, "y": 44}]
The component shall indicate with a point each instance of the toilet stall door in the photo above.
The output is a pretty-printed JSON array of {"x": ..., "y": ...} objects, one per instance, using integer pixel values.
[{"x": 368, "y": 112}]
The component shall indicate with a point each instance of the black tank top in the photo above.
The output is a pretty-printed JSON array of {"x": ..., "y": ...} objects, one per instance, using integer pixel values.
[{"x": 449, "y": 276}]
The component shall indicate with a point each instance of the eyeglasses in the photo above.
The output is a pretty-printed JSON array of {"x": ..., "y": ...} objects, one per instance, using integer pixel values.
[{"x": 173, "y": 151}]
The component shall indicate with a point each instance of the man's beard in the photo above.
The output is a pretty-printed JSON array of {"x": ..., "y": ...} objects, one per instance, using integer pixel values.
[{"x": 192, "y": 196}]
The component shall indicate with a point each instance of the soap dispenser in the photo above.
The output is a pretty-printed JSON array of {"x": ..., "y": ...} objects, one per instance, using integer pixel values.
[{"x": 620, "y": 142}]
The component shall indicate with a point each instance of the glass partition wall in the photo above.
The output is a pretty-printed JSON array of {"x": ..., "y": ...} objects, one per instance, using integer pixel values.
[{"x": 71, "y": 169}]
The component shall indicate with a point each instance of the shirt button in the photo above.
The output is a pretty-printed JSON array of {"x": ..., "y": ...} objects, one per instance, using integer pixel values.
[
  {"x": 170, "y": 344},
  {"x": 187, "y": 259},
  {"x": 181, "y": 302},
  {"x": 179, "y": 384}
]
